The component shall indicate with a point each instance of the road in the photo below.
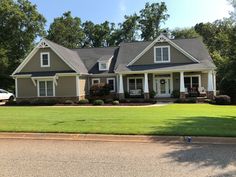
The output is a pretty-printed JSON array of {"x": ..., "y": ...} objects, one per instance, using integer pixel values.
[{"x": 50, "y": 158}]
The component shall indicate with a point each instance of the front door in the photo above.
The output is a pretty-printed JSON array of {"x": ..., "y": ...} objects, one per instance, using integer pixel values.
[{"x": 162, "y": 87}]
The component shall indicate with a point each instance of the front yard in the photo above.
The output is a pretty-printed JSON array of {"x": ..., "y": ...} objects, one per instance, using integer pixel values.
[{"x": 176, "y": 119}]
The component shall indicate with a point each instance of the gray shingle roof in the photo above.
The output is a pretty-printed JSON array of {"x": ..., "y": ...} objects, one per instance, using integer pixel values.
[
  {"x": 194, "y": 46},
  {"x": 90, "y": 57},
  {"x": 85, "y": 60},
  {"x": 70, "y": 56}
]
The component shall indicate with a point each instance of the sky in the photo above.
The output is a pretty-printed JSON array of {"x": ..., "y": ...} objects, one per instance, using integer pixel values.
[{"x": 183, "y": 13}]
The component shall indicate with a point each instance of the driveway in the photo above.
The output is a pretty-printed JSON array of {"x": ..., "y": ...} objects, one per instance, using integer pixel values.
[{"x": 50, "y": 158}]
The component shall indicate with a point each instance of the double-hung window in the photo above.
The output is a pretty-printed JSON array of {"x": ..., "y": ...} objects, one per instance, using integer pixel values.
[
  {"x": 111, "y": 83},
  {"x": 162, "y": 54},
  {"x": 45, "y": 59},
  {"x": 95, "y": 81},
  {"x": 45, "y": 88}
]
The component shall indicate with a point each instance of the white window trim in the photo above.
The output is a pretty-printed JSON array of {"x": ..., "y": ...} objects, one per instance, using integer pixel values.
[
  {"x": 114, "y": 83},
  {"x": 95, "y": 79},
  {"x": 103, "y": 69},
  {"x": 44, "y": 80},
  {"x": 191, "y": 83},
  {"x": 128, "y": 78},
  {"x": 41, "y": 59},
  {"x": 161, "y": 47}
]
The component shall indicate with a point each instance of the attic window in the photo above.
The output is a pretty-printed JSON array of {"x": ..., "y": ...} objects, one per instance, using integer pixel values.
[
  {"x": 45, "y": 59},
  {"x": 162, "y": 54},
  {"x": 103, "y": 66}
]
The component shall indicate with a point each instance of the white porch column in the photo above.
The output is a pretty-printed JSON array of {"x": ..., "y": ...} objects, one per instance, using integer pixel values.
[
  {"x": 210, "y": 81},
  {"x": 214, "y": 83},
  {"x": 210, "y": 86},
  {"x": 16, "y": 87},
  {"x": 121, "y": 87},
  {"x": 146, "y": 89},
  {"x": 182, "y": 87}
]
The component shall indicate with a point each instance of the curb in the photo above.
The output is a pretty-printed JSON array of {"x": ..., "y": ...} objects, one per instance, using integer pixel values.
[{"x": 117, "y": 138}]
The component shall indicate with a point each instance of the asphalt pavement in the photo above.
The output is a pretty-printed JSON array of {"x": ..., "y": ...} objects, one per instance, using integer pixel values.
[{"x": 57, "y": 158}]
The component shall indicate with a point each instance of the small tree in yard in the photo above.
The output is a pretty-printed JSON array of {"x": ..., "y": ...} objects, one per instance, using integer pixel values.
[{"x": 100, "y": 89}]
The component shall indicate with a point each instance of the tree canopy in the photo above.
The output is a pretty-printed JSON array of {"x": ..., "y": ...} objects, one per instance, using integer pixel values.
[
  {"x": 67, "y": 31},
  {"x": 20, "y": 24}
]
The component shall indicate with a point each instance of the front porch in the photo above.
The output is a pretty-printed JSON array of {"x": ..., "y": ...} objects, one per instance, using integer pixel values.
[{"x": 167, "y": 84}]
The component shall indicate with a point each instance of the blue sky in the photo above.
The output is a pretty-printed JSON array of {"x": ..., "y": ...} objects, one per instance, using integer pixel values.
[{"x": 183, "y": 13}]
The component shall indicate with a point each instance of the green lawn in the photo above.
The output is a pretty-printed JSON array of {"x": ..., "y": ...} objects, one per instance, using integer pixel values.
[{"x": 176, "y": 119}]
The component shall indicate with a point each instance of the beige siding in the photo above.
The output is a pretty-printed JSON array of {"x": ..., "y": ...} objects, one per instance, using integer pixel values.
[
  {"x": 175, "y": 56},
  {"x": 26, "y": 88},
  {"x": 56, "y": 63},
  {"x": 66, "y": 86}
]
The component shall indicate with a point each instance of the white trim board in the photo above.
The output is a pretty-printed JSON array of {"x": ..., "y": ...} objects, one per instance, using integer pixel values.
[
  {"x": 162, "y": 38},
  {"x": 33, "y": 52}
]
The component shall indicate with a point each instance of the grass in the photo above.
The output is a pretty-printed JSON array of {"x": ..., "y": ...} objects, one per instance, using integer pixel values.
[{"x": 176, "y": 119}]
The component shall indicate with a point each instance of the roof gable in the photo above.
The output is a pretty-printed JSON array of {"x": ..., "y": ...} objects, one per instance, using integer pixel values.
[
  {"x": 162, "y": 38},
  {"x": 70, "y": 57}
]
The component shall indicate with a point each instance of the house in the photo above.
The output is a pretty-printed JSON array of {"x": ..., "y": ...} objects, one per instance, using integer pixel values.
[{"x": 136, "y": 68}]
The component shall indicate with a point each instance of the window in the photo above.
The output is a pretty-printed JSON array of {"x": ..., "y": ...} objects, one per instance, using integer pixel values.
[
  {"x": 45, "y": 59},
  {"x": 103, "y": 66},
  {"x": 111, "y": 82},
  {"x": 45, "y": 88},
  {"x": 95, "y": 81},
  {"x": 192, "y": 82},
  {"x": 135, "y": 84},
  {"x": 162, "y": 54}
]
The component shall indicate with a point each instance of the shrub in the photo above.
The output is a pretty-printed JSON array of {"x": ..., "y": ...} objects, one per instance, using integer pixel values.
[
  {"x": 127, "y": 95},
  {"x": 100, "y": 89},
  {"x": 84, "y": 101},
  {"x": 152, "y": 94},
  {"x": 68, "y": 102},
  {"x": 11, "y": 103},
  {"x": 208, "y": 101},
  {"x": 228, "y": 87},
  {"x": 186, "y": 100},
  {"x": 109, "y": 100},
  {"x": 175, "y": 94},
  {"x": 98, "y": 102},
  {"x": 116, "y": 102},
  {"x": 222, "y": 100},
  {"x": 23, "y": 103}
]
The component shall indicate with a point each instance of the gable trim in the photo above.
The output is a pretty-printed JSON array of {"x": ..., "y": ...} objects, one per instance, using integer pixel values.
[
  {"x": 33, "y": 52},
  {"x": 162, "y": 38}
]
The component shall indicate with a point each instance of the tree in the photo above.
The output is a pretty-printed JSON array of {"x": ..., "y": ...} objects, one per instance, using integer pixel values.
[
  {"x": 67, "y": 31},
  {"x": 129, "y": 28},
  {"x": 184, "y": 33},
  {"x": 233, "y": 13},
  {"x": 151, "y": 18},
  {"x": 97, "y": 35},
  {"x": 20, "y": 24}
]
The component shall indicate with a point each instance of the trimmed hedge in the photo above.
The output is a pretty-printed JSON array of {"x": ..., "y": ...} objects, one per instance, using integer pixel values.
[
  {"x": 116, "y": 102},
  {"x": 98, "y": 102},
  {"x": 84, "y": 101},
  {"x": 222, "y": 100},
  {"x": 186, "y": 100}
]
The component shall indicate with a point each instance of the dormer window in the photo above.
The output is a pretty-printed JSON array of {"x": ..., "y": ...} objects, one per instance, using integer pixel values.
[
  {"x": 45, "y": 59},
  {"x": 103, "y": 66},
  {"x": 162, "y": 54},
  {"x": 104, "y": 62}
]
